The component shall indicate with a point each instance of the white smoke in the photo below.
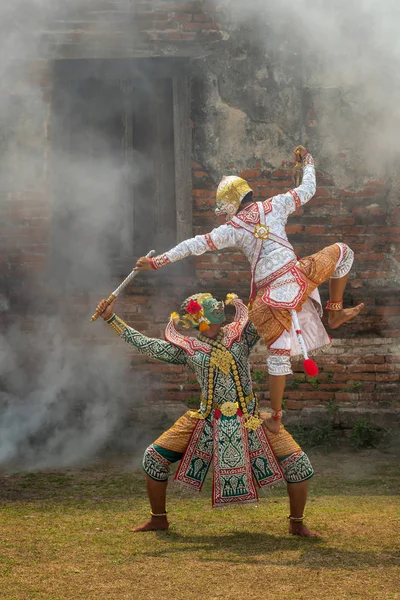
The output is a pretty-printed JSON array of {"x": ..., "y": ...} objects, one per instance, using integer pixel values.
[
  {"x": 64, "y": 388},
  {"x": 61, "y": 399},
  {"x": 348, "y": 54}
]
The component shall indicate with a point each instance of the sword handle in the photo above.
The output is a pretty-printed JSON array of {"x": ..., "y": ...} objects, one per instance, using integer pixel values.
[
  {"x": 121, "y": 287},
  {"x": 96, "y": 315}
]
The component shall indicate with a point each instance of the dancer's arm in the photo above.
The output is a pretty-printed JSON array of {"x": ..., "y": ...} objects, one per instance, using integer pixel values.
[
  {"x": 151, "y": 347},
  {"x": 296, "y": 197},
  {"x": 251, "y": 335},
  {"x": 224, "y": 236}
]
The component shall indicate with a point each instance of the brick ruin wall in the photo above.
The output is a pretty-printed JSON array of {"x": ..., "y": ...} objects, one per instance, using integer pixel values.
[{"x": 363, "y": 365}]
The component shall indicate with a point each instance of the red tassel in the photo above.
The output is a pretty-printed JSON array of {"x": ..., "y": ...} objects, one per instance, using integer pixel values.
[{"x": 310, "y": 367}]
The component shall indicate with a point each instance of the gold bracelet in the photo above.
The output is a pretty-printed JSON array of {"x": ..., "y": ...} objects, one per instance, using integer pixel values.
[
  {"x": 334, "y": 305},
  {"x": 296, "y": 519},
  {"x": 164, "y": 514}
]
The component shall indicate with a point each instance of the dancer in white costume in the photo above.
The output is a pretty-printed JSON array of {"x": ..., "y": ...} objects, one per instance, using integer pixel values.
[{"x": 281, "y": 283}]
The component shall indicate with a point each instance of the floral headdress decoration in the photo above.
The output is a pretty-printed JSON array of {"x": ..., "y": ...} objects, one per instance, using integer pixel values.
[{"x": 193, "y": 312}]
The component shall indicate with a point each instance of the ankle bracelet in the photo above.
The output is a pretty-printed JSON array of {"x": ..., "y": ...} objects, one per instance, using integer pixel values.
[
  {"x": 296, "y": 519},
  {"x": 164, "y": 514},
  {"x": 276, "y": 415},
  {"x": 334, "y": 305}
]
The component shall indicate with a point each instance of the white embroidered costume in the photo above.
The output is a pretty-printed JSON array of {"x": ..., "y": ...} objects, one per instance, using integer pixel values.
[{"x": 258, "y": 230}]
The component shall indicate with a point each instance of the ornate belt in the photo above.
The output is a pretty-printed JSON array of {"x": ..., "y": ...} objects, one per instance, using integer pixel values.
[
  {"x": 228, "y": 405},
  {"x": 228, "y": 409}
]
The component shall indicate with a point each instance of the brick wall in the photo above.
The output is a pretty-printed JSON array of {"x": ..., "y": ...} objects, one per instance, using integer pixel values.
[
  {"x": 124, "y": 28},
  {"x": 363, "y": 364}
]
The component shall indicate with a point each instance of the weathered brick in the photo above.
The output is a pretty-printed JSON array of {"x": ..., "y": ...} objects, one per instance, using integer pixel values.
[
  {"x": 250, "y": 174},
  {"x": 291, "y": 229},
  {"x": 199, "y": 26}
]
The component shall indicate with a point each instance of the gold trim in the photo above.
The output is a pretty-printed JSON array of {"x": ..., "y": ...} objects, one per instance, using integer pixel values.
[
  {"x": 334, "y": 305},
  {"x": 247, "y": 400},
  {"x": 196, "y": 414},
  {"x": 232, "y": 191},
  {"x": 117, "y": 324},
  {"x": 253, "y": 423},
  {"x": 96, "y": 315}
]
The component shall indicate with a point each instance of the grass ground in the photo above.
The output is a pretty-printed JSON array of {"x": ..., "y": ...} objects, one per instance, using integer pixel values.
[{"x": 66, "y": 535}]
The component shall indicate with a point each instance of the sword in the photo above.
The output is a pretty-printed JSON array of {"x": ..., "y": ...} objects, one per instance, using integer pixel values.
[
  {"x": 123, "y": 285},
  {"x": 297, "y": 172}
]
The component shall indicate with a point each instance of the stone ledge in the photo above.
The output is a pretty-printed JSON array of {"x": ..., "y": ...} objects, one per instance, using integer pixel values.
[
  {"x": 158, "y": 417},
  {"x": 344, "y": 417}
]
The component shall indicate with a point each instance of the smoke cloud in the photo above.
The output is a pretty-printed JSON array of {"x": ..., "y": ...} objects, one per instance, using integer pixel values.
[
  {"x": 350, "y": 53},
  {"x": 60, "y": 403},
  {"x": 65, "y": 392}
]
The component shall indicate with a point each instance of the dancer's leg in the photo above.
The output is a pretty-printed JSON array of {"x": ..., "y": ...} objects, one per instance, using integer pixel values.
[{"x": 157, "y": 492}]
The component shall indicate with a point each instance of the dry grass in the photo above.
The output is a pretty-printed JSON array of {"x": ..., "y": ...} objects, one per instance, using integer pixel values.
[{"x": 66, "y": 535}]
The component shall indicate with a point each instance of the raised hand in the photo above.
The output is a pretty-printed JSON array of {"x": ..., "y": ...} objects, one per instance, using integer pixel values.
[
  {"x": 104, "y": 310},
  {"x": 144, "y": 264},
  {"x": 299, "y": 153}
]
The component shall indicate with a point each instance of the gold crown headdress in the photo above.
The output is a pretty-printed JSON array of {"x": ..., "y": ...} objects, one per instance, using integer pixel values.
[{"x": 230, "y": 193}]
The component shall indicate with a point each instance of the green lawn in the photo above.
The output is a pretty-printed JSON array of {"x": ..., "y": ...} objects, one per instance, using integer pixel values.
[{"x": 66, "y": 535}]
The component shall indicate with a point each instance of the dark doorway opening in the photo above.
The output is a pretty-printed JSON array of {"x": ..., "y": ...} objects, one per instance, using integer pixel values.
[{"x": 114, "y": 170}]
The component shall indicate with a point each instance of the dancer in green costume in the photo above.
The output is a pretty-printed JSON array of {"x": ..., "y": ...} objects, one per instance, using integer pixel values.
[{"x": 227, "y": 431}]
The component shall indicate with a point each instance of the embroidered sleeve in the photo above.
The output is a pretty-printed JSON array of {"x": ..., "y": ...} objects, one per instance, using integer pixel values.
[
  {"x": 151, "y": 347},
  {"x": 295, "y": 198},
  {"x": 250, "y": 335},
  {"x": 219, "y": 238}
]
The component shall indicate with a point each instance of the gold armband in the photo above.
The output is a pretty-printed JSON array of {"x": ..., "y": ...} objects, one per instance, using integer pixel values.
[{"x": 117, "y": 324}]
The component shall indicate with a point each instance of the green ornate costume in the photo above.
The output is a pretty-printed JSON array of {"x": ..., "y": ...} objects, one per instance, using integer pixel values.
[{"x": 227, "y": 430}]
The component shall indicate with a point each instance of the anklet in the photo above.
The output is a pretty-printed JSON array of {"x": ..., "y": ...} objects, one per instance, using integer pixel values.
[
  {"x": 331, "y": 305},
  {"x": 296, "y": 519},
  {"x": 164, "y": 514},
  {"x": 276, "y": 415}
]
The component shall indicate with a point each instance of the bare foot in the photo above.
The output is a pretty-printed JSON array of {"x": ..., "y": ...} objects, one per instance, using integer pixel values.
[
  {"x": 338, "y": 317},
  {"x": 154, "y": 524},
  {"x": 302, "y": 530},
  {"x": 272, "y": 425}
]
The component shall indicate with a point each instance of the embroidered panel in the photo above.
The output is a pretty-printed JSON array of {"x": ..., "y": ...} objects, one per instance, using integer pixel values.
[
  {"x": 279, "y": 351},
  {"x": 233, "y": 331},
  {"x": 210, "y": 243},
  {"x": 189, "y": 344},
  {"x": 155, "y": 465},
  {"x": 308, "y": 160},
  {"x": 345, "y": 263},
  {"x": 296, "y": 198},
  {"x": 286, "y": 291},
  {"x": 233, "y": 481},
  {"x": 197, "y": 458},
  {"x": 160, "y": 261},
  {"x": 279, "y": 365},
  {"x": 265, "y": 465},
  {"x": 297, "y": 467}
]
